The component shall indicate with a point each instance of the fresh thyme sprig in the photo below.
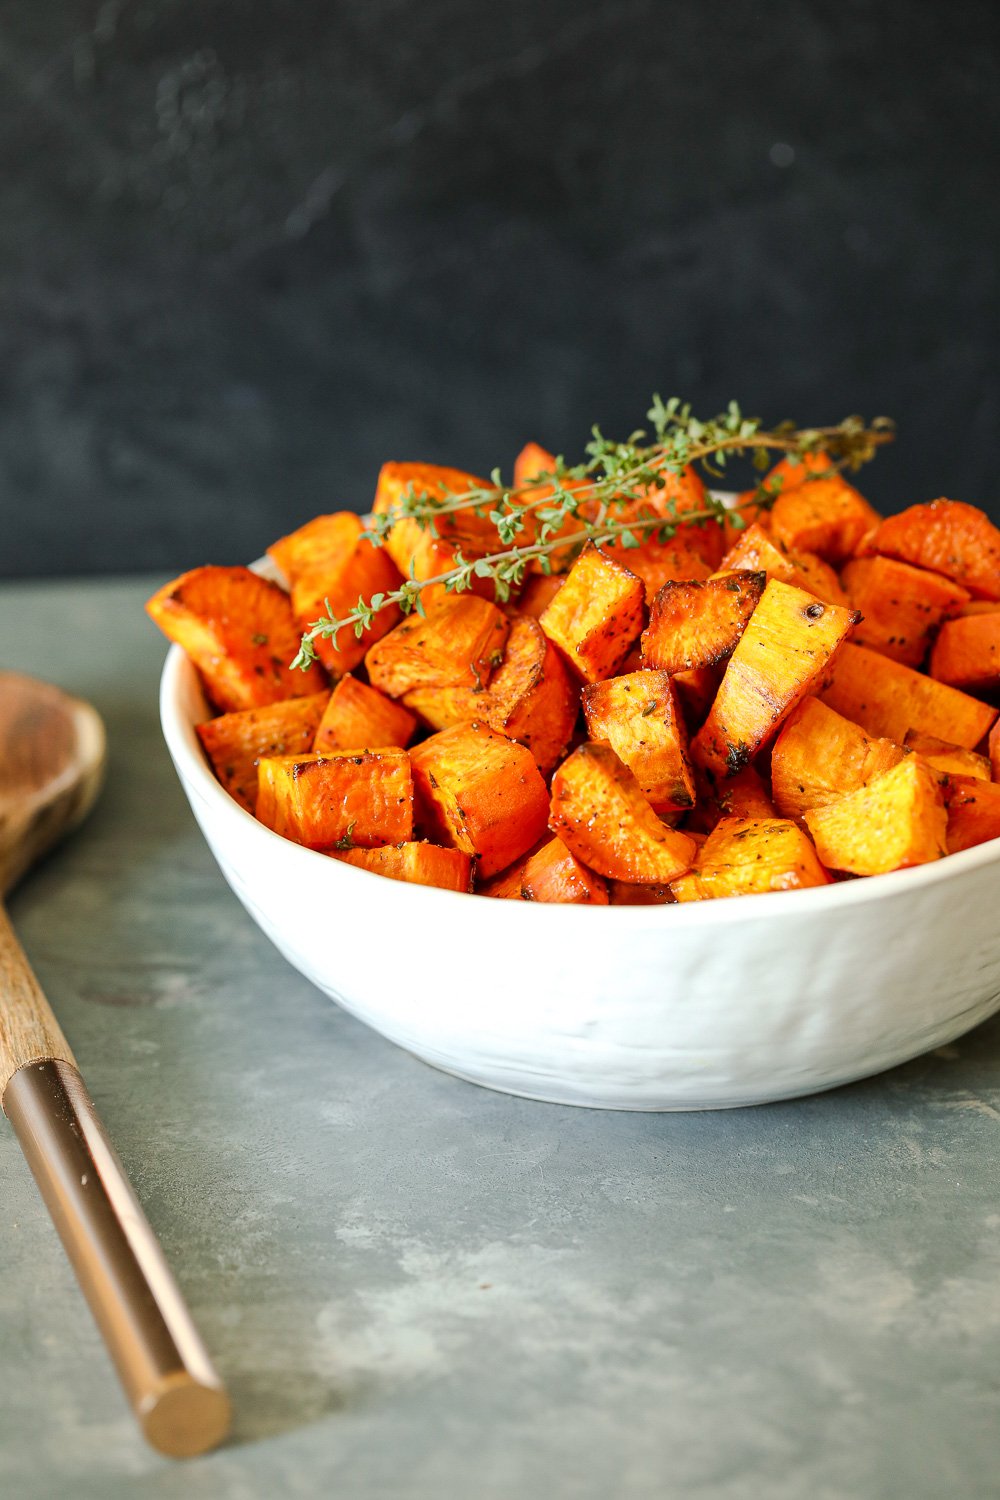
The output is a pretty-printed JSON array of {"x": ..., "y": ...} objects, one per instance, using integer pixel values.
[{"x": 614, "y": 475}]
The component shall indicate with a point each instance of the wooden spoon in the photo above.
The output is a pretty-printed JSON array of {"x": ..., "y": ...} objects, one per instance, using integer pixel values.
[{"x": 52, "y": 753}]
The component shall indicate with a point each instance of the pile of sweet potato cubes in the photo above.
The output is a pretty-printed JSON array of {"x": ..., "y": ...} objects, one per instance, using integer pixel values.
[{"x": 732, "y": 711}]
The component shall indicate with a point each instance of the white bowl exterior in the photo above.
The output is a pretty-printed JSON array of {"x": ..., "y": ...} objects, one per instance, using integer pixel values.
[{"x": 706, "y": 1005}]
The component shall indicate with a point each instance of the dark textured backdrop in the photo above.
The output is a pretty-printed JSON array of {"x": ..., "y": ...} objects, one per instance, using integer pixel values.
[{"x": 250, "y": 250}]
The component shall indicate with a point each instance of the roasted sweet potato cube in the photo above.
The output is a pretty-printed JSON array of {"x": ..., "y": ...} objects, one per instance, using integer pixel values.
[
  {"x": 747, "y": 511},
  {"x": 234, "y": 743},
  {"x": 639, "y": 717},
  {"x": 994, "y": 751},
  {"x": 895, "y": 821},
  {"x": 551, "y": 873},
  {"x": 946, "y": 536},
  {"x": 532, "y": 460},
  {"x": 698, "y": 624},
  {"x": 780, "y": 658},
  {"x": 480, "y": 793},
  {"x": 696, "y": 692},
  {"x": 744, "y": 795},
  {"x": 889, "y": 699},
  {"x": 532, "y": 698},
  {"x": 792, "y": 470},
  {"x": 966, "y": 653},
  {"x": 458, "y": 644},
  {"x": 420, "y": 553},
  {"x": 351, "y": 798},
  {"x": 360, "y": 717},
  {"x": 819, "y": 757},
  {"x": 330, "y": 561},
  {"x": 689, "y": 887},
  {"x": 755, "y": 552},
  {"x": 973, "y": 807},
  {"x": 750, "y": 856},
  {"x": 901, "y": 606},
  {"x": 239, "y": 631},
  {"x": 600, "y": 813},
  {"x": 946, "y": 758},
  {"x": 825, "y": 516},
  {"x": 597, "y": 615},
  {"x": 675, "y": 496},
  {"x": 416, "y": 863},
  {"x": 980, "y": 607}
]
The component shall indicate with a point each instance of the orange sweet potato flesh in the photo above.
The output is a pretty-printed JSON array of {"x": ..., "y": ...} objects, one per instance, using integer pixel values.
[
  {"x": 948, "y": 759},
  {"x": 819, "y": 757},
  {"x": 949, "y": 537},
  {"x": 416, "y": 863},
  {"x": 413, "y": 548},
  {"x": 896, "y": 821},
  {"x": 551, "y": 873},
  {"x": 480, "y": 793},
  {"x": 657, "y": 563},
  {"x": 825, "y": 516},
  {"x": 754, "y": 551},
  {"x": 751, "y": 856},
  {"x": 889, "y": 699},
  {"x": 358, "y": 798},
  {"x": 744, "y": 795},
  {"x": 459, "y": 643},
  {"x": 901, "y": 605},
  {"x": 639, "y": 717},
  {"x": 781, "y": 657},
  {"x": 538, "y": 593},
  {"x": 235, "y": 742},
  {"x": 973, "y": 812},
  {"x": 994, "y": 750},
  {"x": 359, "y": 716},
  {"x": 627, "y": 893},
  {"x": 597, "y": 615},
  {"x": 239, "y": 631},
  {"x": 698, "y": 624},
  {"x": 530, "y": 697},
  {"x": 966, "y": 653},
  {"x": 330, "y": 561},
  {"x": 532, "y": 460},
  {"x": 600, "y": 813}
]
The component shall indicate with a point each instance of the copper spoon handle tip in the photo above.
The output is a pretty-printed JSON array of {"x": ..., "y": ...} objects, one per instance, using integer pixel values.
[{"x": 168, "y": 1377}]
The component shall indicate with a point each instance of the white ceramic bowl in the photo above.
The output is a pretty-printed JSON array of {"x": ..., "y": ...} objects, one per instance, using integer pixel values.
[{"x": 701, "y": 1006}]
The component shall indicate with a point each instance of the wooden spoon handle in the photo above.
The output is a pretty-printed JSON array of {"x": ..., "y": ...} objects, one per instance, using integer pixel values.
[
  {"x": 168, "y": 1376},
  {"x": 29, "y": 1032}
]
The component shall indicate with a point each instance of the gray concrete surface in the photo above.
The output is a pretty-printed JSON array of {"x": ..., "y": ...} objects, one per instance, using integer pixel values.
[{"x": 420, "y": 1289}]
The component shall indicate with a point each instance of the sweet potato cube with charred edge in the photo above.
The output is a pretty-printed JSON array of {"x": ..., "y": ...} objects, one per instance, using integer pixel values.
[
  {"x": 896, "y": 821},
  {"x": 889, "y": 699},
  {"x": 411, "y": 547},
  {"x": 781, "y": 656},
  {"x": 360, "y": 717},
  {"x": 459, "y": 643},
  {"x": 948, "y": 759},
  {"x": 946, "y": 536},
  {"x": 480, "y": 793},
  {"x": 698, "y": 624},
  {"x": 639, "y": 717},
  {"x": 331, "y": 561},
  {"x": 966, "y": 653},
  {"x": 973, "y": 812},
  {"x": 819, "y": 757},
  {"x": 239, "y": 631},
  {"x": 415, "y": 863},
  {"x": 356, "y": 798},
  {"x": 597, "y": 615},
  {"x": 600, "y": 813},
  {"x": 901, "y": 605},
  {"x": 551, "y": 874},
  {"x": 825, "y": 516},
  {"x": 755, "y": 552},
  {"x": 750, "y": 856},
  {"x": 531, "y": 696},
  {"x": 235, "y": 742}
]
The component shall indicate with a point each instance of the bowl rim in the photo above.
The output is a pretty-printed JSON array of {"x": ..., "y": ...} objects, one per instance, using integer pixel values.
[{"x": 193, "y": 769}]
